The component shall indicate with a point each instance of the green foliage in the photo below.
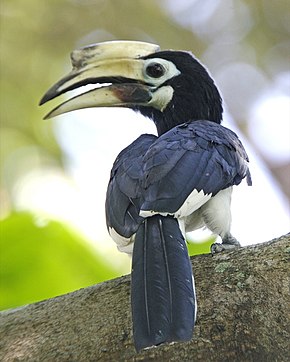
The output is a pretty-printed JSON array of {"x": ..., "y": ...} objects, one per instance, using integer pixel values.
[
  {"x": 196, "y": 248},
  {"x": 41, "y": 259}
]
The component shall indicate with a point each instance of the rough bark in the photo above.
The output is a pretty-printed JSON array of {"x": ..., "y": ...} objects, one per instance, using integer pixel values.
[{"x": 243, "y": 315}]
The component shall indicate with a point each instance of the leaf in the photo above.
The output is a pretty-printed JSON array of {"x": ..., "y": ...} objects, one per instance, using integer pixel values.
[
  {"x": 41, "y": 259},
  {"x": 196, "y": 248}
]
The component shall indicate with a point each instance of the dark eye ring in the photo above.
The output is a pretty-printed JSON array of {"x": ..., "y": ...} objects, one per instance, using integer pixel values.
[{"x": 155, "y": 70}]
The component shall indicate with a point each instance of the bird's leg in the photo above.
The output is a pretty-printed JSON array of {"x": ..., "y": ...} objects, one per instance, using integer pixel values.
[
  {"x": 228, "y": 243},
  {"x": 216, "y": 214}
]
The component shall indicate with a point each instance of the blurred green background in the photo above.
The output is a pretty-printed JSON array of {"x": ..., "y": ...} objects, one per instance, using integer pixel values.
[{"x": 43, "y": 254}]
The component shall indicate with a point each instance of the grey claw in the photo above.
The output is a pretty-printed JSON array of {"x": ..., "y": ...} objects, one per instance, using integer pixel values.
[
  {"x": 230, "y": 240},
  {"x": 216, "y": 248},
  {"x": 228, "y": 243}
]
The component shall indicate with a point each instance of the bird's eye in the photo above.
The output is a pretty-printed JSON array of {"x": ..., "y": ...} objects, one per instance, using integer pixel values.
[{"x": 155, "y": 70}]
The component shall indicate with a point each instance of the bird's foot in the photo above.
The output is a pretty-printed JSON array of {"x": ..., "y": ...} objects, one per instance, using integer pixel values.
[{"x": 228, "y": 243}]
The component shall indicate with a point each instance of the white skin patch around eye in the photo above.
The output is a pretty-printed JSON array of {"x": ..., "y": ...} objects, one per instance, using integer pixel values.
[{"x": 170, "y": 71}]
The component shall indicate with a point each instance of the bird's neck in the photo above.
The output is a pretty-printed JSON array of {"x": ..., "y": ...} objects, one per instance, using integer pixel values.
[
  {"x": 166, "y": 121},
  {"x": 177, "y": 113}
]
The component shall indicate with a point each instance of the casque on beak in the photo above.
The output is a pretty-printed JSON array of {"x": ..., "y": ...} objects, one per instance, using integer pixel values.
[{"x": 118, "y": 63}]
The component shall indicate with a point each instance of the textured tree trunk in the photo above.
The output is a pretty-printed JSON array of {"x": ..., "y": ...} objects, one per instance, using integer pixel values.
[{"x": 243, "y": 315}]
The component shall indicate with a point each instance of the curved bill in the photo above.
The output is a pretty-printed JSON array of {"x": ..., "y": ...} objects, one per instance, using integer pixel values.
[
  {"x": 120, "y": 95},
  {"x": 119, "y": 63}
]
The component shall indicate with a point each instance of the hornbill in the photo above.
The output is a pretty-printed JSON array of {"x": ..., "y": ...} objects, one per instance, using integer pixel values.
[{"x": 161, "y": 186}]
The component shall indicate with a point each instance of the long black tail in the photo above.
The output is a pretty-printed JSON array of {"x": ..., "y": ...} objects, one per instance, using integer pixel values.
[{"x": 162, "y": 288}]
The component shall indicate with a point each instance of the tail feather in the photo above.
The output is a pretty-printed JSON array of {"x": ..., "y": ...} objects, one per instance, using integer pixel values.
[{"x": 162, "y": 290}]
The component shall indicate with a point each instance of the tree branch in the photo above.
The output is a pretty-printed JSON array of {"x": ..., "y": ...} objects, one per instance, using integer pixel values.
[{"x": 243, "y": 315}]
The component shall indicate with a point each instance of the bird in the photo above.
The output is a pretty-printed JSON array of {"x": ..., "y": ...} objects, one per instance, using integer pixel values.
[{"x": 161, "y": 186}]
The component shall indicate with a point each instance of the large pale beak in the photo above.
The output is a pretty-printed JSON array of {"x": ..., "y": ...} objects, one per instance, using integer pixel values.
[{"x": 118, "y": 63}]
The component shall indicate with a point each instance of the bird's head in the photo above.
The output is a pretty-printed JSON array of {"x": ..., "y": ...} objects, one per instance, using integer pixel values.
[{"x": 170, "y": 87}]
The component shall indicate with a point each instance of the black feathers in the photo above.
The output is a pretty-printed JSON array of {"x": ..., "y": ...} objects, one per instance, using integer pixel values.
[
  {"x": 124, "y": 193},
  {"x": 160, "y": 173},
  {"x": 162, "y": 290}
]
